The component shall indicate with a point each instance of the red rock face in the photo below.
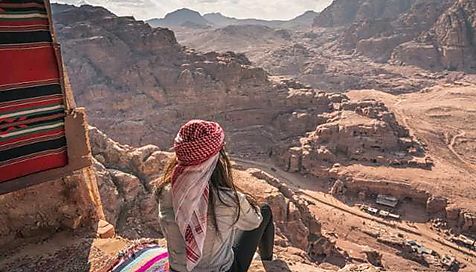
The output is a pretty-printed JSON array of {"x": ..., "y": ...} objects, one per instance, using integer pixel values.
[
  {"x": 429, "y": 34},
  {"x": 345, "y": 12},
  {"x": 455, "y": 34}
]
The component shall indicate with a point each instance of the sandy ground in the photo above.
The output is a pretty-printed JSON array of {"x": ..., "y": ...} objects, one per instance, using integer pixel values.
[{"x": 443, "y": 118}]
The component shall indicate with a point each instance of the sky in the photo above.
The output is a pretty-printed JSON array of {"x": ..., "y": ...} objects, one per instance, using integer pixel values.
[{"x": 259, "y": 9}]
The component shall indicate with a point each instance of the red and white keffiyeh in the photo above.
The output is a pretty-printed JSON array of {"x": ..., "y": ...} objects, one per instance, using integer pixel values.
[{"x": 197, "y": 147}]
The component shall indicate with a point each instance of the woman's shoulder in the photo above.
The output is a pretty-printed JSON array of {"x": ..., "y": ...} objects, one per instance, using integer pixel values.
[{"x": 229, "y": 196}]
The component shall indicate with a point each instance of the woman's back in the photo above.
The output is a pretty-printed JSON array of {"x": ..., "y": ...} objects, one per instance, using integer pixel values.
[
  {"x": 217, "y": 250},
  {"x": 199, "y": 206}
]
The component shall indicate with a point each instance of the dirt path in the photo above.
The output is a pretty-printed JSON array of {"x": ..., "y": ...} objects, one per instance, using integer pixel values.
[
  {"x": 404, "y": 118},
  {"x": 451, "y": 147}
]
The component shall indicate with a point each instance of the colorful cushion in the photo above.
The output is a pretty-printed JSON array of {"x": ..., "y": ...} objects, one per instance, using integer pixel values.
[{"x": 143, "y": 258}]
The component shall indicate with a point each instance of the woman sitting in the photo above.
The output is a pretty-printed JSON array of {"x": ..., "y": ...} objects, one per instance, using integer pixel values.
[{"x": 208, "y": 223}]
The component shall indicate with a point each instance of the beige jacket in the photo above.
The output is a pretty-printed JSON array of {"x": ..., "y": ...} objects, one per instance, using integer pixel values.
[{"x": 217, "y": 251}]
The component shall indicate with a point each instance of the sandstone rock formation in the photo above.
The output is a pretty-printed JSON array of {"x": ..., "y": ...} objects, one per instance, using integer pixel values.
[
  {"x": 293, "y": 217},
  {"x": 126, "y": 178},
  {"x": 148, "y": 107},
  {"x": 344, "y": 12},
  {"x": 140, "y": 99},
  {"x": 324, "y": 58},
  {"x": 436, "y": 204},
  {"x": 245, "y": 38},
  {"x": 364, "y": 132},
  {"x": 140, "y": 84}
]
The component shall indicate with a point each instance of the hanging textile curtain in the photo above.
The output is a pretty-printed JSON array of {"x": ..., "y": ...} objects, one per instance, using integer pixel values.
[{"x": 34, "y": 110}]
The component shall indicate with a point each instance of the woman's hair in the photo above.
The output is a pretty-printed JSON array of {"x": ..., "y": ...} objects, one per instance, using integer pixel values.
[{"x": 221, "y": 180}]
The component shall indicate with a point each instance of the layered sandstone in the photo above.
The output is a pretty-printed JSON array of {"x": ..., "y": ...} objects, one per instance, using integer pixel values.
[
  {"x": 126, "y": 178},
  {"x": 144, "y": 97},
  {"x": 140, "y": 99}
]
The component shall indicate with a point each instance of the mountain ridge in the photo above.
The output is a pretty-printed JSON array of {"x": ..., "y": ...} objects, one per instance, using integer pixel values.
[{"x": 185, "y": 17}]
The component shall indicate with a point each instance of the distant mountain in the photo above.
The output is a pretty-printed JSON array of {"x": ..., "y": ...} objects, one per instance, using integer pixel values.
[
  {"x": 219, "y": 19},
  {"x": 305, "y": 19},
  {"x": 189, "y": 18},
  {"x": 181, "y": 17}
]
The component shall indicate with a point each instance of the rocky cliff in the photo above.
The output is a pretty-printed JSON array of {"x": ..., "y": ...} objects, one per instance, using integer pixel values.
[
  {"x": 140, "y": 85},
  {"x": 125, "y": 178},
  {"x": 449, "y": 43},
  {"x": 406, "y": 32},
  {"x": 345, "y": 12},
  {"x": 148, "y": 95}
]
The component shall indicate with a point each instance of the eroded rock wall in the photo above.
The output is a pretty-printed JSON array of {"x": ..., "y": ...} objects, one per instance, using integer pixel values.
[
  {"x": 345, "y": 12},
  {"x": 430, "y": 34},
  {"x": 141, "y": 95},
  {"x": 450, "y": 43},
  {"x": 126, "y": 177},
  {"x": 68, "y": 203}
]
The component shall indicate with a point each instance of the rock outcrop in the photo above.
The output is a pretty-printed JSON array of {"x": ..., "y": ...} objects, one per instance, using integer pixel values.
[
  {"x": 134, "y": 79},
  {"x": 140, "y": 85},
  {"x": 364, "y": 132},
  {"x": 293, "y": 217},
  {"x": 126, "y": 178}
]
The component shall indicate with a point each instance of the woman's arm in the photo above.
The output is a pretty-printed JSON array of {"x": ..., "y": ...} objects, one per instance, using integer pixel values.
[{"x": 250, "y": 218}]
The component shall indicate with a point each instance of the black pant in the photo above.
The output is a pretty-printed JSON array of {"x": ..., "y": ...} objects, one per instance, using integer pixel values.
[{"x": 248, "y": 241}]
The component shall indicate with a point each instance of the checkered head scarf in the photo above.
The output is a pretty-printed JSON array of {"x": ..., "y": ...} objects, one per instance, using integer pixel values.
[{"x": 197, "y": 147}]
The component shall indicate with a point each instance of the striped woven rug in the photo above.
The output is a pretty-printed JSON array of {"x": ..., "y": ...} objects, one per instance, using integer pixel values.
[
  {"x": 142, "y": 257},
  {"x": 32, "y": 109}
]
